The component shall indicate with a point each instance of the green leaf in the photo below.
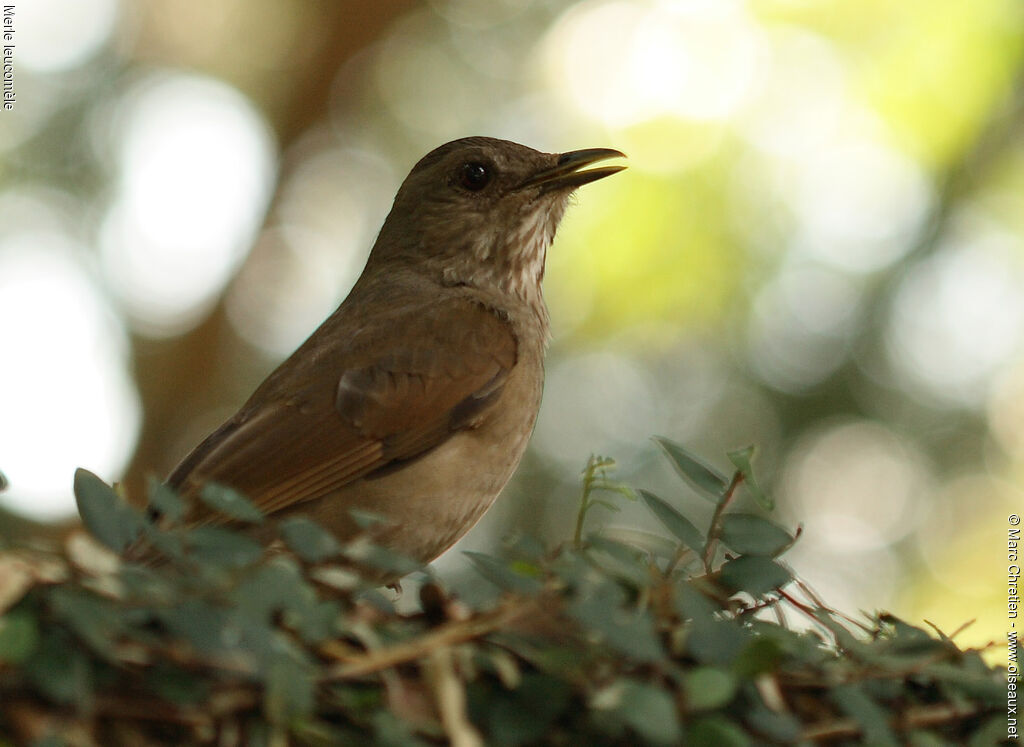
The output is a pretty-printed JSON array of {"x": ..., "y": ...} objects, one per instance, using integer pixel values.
[
  {"x": 674, "y": 521},
  {"x": 230, "y": 502},
  {"x": 754, "y": 575},
  {"x": 650, "y": 712},
  {"x": 522, "y": 715},
  {"x": 782, "y": 728},
  {"x": 761, "y": 655},
  {"x": 741, "y": 459},
  {"x": 391, "y": 731},
  {"x": 749, "y": 534},
  {"x": 807, "y": 645},
  {"x": 701, "y": 476},
  {"x": 922, "y": 738},
  {"x": 708, "y": 688},
  {"x": 97, "y": 620},
  {"x": 309, "y": 540},
  {"x": 61, "y": 669},
  {"x": 3, "y": 482},
  {"x": 499, "y": 573},
  {"x": 717, "y": 642},
  {"x": 911, "y": 640},
  {"x": 991, "y": 732},
  {"x": 601, "y": 609},
  {"x": 110, "y": 520},
  {"x": 179, "y": 686},
  {"x": 367, "y": 519},
  {"x": 200, "y": 623},
  {"x": 620, "y": 561},
  {"x": 19, "y": 635},
  {"x": 872, "y": 718},
  {"x": 223, "y": 547},
  {"x": 380, "y": 558},
  {"x": 290, "y": 690},
  {"x": 277, "y": 591},
  {"x": 170, "y": 544},
  {"x": 975, "y": 685},
  {"x": 718, "y": 731},
  {"x": 275, "y": 585},
  {"x": 164, "y": 499}
]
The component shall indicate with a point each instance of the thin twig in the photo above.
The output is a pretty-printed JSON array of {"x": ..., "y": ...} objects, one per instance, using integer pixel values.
[
  {"x": 447, "y": 635},
  {"x": 715, "y": 529}
]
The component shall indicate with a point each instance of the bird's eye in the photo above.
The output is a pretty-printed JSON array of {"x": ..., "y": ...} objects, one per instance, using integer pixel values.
[{"x": 474, "y": 176}]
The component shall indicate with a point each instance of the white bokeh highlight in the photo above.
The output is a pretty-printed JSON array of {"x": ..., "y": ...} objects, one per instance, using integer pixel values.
[
  {"x": 69, "y": 399},
  {"x": 196, "y": 169},
  {"x": 857, "y": 488},
  {"x": 329, "y": 212},
  {"x": 800, "y": 325},
  {"x": 625, "y": 62},
  {"x": 958, "y": 317},
  {"x": 54, "y": 36}
]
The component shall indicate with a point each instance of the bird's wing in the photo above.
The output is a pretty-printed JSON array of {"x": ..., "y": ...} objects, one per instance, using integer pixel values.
[{"x": 402, "y": 387}]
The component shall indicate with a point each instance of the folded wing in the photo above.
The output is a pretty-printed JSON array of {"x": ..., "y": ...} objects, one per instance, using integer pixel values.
[{"x": 399, "y": 388}]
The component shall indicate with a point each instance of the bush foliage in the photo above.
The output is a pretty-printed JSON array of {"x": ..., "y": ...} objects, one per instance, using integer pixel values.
[{"x": 681, "y": 639}]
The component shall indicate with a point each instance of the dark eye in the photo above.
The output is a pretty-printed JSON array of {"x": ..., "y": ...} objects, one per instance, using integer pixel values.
[{"x": 474, "y": 176}]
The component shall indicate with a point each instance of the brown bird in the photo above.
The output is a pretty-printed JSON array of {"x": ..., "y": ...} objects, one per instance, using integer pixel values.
[{"x": 415, "y": 399}]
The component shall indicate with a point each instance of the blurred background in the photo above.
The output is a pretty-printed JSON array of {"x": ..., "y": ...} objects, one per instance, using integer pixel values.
[{"x": 818, "y": 248}]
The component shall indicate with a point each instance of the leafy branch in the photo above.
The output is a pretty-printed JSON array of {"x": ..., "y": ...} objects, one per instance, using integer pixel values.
[
  {"x": 595, "y": 477},
  {"x": 602, "y": 640}
]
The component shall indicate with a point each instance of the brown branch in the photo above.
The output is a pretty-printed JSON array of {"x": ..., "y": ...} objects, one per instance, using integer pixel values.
[
  {"x": 913, "y": 718},
  {"x": 447, "y": 635},
  {"x": 715, "y": 529}
]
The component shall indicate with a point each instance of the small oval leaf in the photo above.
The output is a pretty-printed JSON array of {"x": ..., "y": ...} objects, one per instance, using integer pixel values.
[
  {"x": 108, "y": 518},
  {"x": 650, "y": 712},
  {"x": 502, "y": 575},
  {"x": 708, "y": 688},
  {"x": 872, "y": 718},
  {"x": 165, "y": 500},
  {"x": 223, "y": 547},
  {"x": 741, "y": 459},
  {"x": 673, "y": 521},
  {"x": 701, "y": 476},
  {"x": 754, "y": 575},
  {"x": 309, "y": 540},
  {"x": 230, "y": 502},
  {"x": 749, "y": 534}
]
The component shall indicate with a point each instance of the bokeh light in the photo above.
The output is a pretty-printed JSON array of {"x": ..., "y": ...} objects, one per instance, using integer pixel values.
[
  {"x": 801, "y": 324},
  {"x": 858, "y": 489},
  {"x": 71, "y": 400},
  {"x": 948, "y": 545},
  {"x": 195, "y": 172},
  {"x": 599, "y": 402},
  {"x": 959, "y": 315},
  {"x": 858, "y": 204},
  {"x": 58, "y": 35},
  {"x": 1006, "y": 410},
  {"x": 627, "y": 62},
  {"x": 329, "y": 211}
]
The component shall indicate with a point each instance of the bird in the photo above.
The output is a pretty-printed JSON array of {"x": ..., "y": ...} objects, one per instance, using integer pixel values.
[{"x": 415, "y": 399}]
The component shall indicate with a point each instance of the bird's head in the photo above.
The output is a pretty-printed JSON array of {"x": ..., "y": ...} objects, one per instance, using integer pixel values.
[{"x": 482, "y": 211}]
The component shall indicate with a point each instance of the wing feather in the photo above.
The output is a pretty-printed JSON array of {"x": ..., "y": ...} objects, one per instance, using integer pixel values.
[{"x": 398, "y": 389}]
